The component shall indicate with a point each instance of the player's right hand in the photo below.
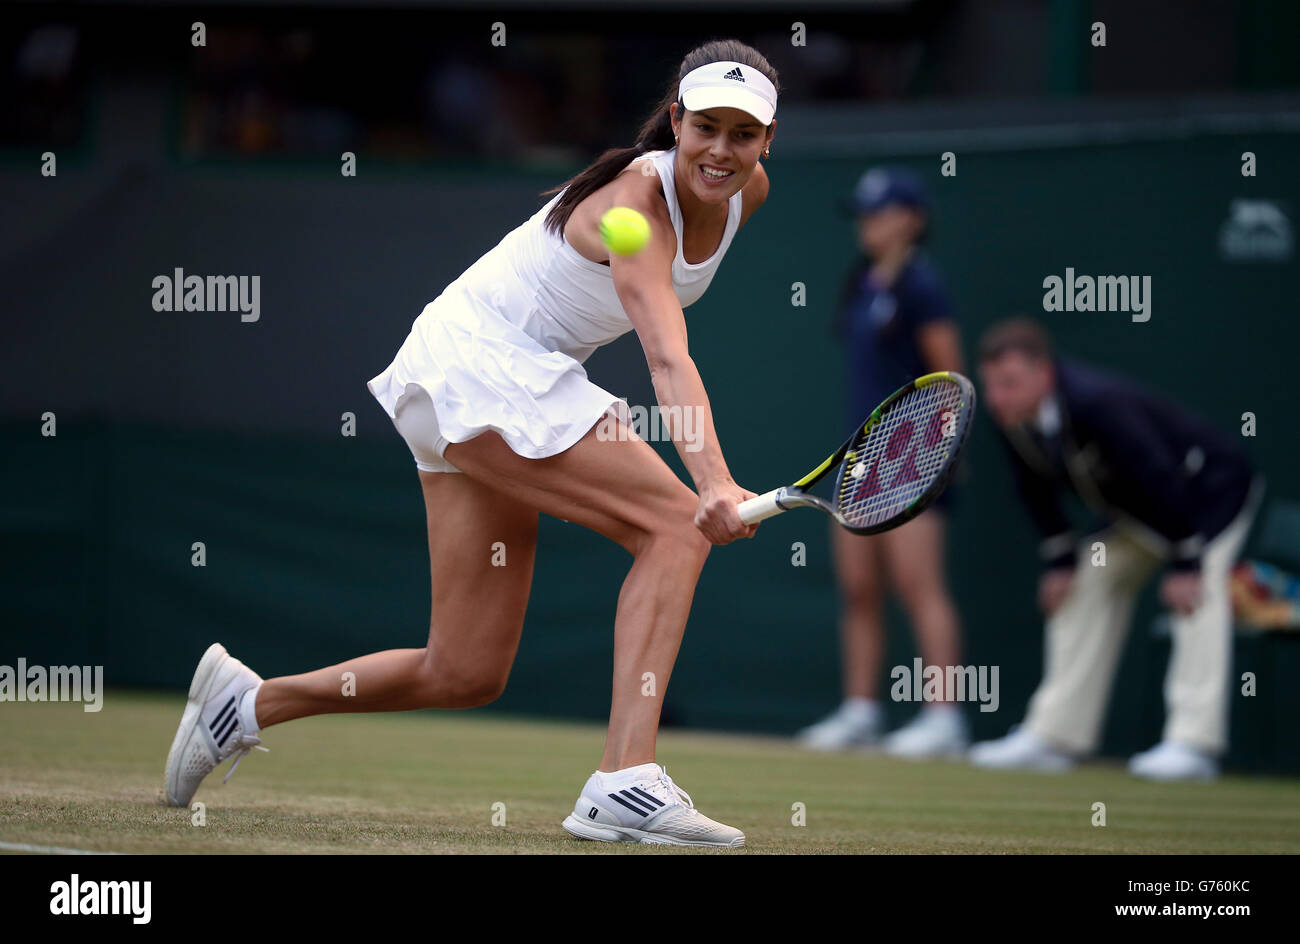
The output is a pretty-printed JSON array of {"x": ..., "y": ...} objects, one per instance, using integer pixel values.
[
  {"x": 717, "y": 516},
  {"x": 1053, "y": 588}
]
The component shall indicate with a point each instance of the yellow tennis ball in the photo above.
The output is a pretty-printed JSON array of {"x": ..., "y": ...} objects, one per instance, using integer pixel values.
[{"x": 624, "y": 230}]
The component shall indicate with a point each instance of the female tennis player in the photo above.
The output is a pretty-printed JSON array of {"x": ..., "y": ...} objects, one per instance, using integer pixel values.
[{"x": 489, "y": 393}]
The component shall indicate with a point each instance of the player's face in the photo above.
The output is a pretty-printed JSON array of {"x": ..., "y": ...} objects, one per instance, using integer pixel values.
[
  {"x": 726, "y": 140},
  {"x": 1014, "y": 386}
]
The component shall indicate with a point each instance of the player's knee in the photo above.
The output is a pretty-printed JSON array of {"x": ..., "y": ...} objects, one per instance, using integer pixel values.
[
  {"x": 694, "y": 542},
  {"x": 476, "y": 692},
  {"x": 471, "y": 691},
  {"x": 688, "y": 540},
  {"x": 445, "y": 683},
  {"x": 673, "y": 527}
]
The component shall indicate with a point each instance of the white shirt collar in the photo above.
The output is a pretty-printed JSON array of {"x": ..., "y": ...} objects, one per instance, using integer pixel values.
[{"x": 1048, "y": 420}]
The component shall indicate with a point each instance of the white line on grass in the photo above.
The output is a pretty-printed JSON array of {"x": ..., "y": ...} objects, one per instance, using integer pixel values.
[{"x": 49, "y": 850}]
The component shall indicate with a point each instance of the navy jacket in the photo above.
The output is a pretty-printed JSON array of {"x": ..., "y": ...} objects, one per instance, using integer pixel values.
[
  {"x": 879, "y": 328},
  {"x": 1128, "y": 453}
]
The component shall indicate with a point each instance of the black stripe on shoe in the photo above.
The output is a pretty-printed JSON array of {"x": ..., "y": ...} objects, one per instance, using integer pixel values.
[
  {"x": 653, "y": 799},
  {"x": 220, "y": 719},
  {"x": 223, "y": 725},
  {"x": 633, "y": 803},
  {"x": 228, "y": 730}
]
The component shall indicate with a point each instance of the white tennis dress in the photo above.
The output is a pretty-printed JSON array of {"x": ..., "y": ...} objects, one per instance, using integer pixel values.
[{"x": 502, "y": 347}]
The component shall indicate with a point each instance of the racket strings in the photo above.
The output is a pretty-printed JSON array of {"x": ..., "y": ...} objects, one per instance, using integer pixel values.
[{"x": 894, "y": 462}]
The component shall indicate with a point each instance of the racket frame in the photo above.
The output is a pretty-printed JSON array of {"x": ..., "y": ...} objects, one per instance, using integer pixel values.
[{"x": 795, "y": 495}]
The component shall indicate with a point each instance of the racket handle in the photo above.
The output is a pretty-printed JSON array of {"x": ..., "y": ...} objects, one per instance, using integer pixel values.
[{"x": 764, "y": 506}]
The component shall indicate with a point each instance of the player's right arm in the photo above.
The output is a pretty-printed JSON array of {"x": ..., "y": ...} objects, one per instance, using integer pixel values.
[{"x": 644, "y": 285}]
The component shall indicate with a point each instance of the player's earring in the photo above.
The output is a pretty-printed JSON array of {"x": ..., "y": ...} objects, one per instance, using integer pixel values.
[{"x": 767, "y": 152}]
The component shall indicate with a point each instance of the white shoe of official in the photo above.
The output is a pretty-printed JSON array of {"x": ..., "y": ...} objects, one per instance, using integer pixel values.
[
  {"x": 1021, "y": 749},
  {"x": 1173, "y": 760},
  {"x": 935, "y": 732},
  {"x": 849, "y": 725},
  {"x": 213, "y": 728},
  {"x": 642, "y": 804}
]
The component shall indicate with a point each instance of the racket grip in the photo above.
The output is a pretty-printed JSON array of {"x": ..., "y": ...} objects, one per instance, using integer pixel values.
[{"x": 763, "y": 506}]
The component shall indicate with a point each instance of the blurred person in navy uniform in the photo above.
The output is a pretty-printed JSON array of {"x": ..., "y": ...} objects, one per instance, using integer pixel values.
[
  {"x": 895, "y": 323},
  {"x": 1172, "y": 493}
]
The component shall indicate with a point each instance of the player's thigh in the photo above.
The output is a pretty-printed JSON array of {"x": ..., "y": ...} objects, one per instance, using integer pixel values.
[
  {"x": 857, "y": 566},
  {"x": 619, "y": 487},
  {"x": 481, "y": 550},
  {"x": 914, "y": 554}
]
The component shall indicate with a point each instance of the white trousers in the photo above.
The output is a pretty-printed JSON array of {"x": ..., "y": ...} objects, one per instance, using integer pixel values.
[{"x": 1086, "y": 635}]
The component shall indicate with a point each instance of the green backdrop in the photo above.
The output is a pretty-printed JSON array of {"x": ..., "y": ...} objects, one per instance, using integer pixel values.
[{"x": 315, "y": 542}]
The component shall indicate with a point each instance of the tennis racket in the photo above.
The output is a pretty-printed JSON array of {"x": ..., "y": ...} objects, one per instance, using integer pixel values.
[{"x": 893, "y": 466}]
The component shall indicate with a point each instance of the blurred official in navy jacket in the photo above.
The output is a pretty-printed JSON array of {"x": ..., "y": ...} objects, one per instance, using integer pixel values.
[{"x": 1171, "y": 492}]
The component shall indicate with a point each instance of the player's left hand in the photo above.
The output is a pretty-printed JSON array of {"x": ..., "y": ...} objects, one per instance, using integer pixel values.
[
  {"x": 717, "y": 515},
  {"x": 1181, "y": 592}
]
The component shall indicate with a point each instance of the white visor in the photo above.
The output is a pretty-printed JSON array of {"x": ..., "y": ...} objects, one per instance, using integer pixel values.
[{"x": 729, "y": 85}]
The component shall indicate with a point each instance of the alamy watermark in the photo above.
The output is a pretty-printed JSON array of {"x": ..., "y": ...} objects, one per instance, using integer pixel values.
[
  {"x": 919, "y": 682},
  {"x": 684, "y": 424},
  {"x": 25, "y": 682},
  {"x": 89, "y": 897},
  {"x": 181, "y": 292},
  {"x": 1129, "y": 293}
]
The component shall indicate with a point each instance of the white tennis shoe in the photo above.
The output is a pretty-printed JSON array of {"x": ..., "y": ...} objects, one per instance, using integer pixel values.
[
  {"x": 212, "y": 729},
  {"x": 1173, "y": 760},
  {"x": 642, "y": 804},
  {"x": 852, "y": 724},
  {"x": 1021, "y": 749},
  {"x": 938, "y": 731}
]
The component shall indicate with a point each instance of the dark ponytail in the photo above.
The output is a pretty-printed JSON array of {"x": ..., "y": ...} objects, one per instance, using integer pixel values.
[{"x": 656, "y": 133}]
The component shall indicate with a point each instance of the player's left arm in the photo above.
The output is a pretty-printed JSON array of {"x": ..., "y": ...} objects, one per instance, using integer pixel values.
[{"x": 643, "y": 282}]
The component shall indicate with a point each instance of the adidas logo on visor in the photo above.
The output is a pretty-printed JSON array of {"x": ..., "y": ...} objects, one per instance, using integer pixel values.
[{"x": 735, "y": 74}]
